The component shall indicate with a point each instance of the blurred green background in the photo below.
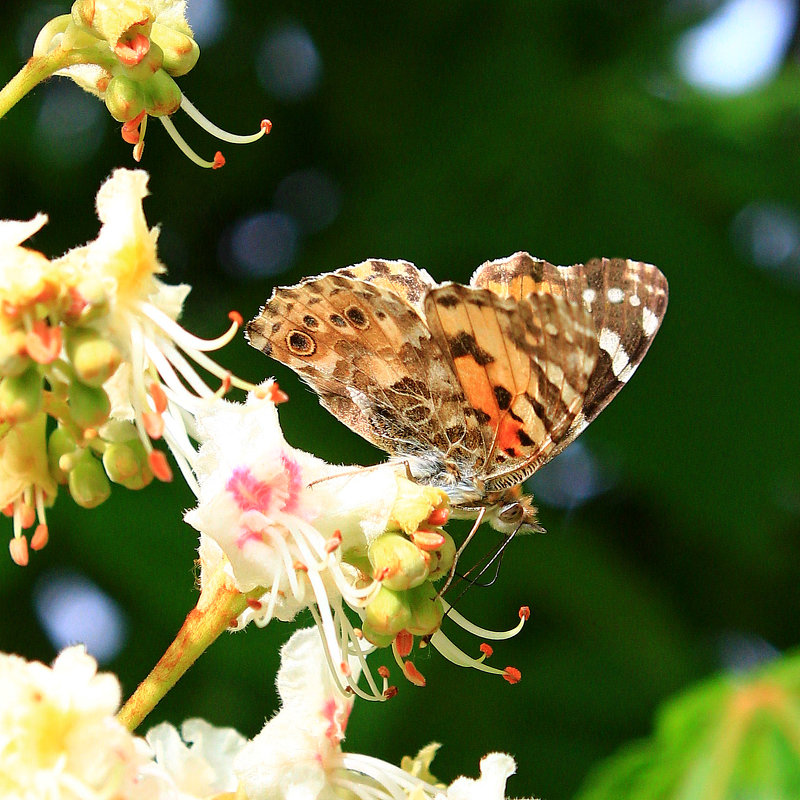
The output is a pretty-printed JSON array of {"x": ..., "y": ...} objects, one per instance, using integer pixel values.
[{"x": 448, "y": 134}]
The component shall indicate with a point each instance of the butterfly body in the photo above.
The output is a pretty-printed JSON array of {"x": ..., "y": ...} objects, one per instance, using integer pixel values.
[{"x": 473, "y": 387}]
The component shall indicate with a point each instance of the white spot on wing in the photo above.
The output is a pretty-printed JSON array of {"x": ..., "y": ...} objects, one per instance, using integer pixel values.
[
  {"x": 609, "y": 341},
  {"x": 615, "y": 295},
  {"x": 589, "y": 296},
  {"x": 649, "y": 322},
  {"x": 634, "y": 300}
]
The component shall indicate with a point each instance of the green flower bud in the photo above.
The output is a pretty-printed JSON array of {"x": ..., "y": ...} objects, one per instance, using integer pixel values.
[
  {"x": 89, "y": 405},
  {"x": 126, "y": 464},
  {"x": 119, "y": 430},
  {"x": 124, "y": 98},
  {"x": 180, "y": 51},
  {"x": 388, "y": 613},
  {"x": 93, "y": 357},
  {"x": 88, "y": 484},
  {"x": 21, "y": 395},
  {"x": 162, "y": 95},
  {"x": 442, "y": 559},
  {"x": 426, "y": 610},
  {"x": 59, "y": 444},
  {"x": 398, "y": 562}
]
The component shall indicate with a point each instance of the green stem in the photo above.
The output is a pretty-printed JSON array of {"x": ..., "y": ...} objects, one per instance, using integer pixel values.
[
  {"x": 217, "y": 606},
  {"x": 40, "y": 68}
]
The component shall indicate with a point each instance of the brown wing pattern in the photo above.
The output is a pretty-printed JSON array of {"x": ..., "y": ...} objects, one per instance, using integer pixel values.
[
  {"x": 523, "y": 366},
  {"x": 368, "y": 355},
  {"x": 626, "y": 299}
]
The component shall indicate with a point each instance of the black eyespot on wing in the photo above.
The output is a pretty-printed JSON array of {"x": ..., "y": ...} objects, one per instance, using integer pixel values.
[
  {"x": 338, "y": 320},
  {"x": 357, "y": 317},
  {"x": 464, "y": 344},
  {"x": 310, "y": 322},
  {"x": 300, "y": 343},
  {"x": 503, "y": 397}
]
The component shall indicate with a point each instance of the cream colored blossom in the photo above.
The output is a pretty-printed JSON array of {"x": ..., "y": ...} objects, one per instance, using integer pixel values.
[{"x": 59, "y": 738}]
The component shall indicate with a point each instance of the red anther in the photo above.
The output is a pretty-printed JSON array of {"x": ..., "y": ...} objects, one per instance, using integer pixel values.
[
  {"x": 345, "y": 669},
  {"x": 439, "y": 516},
  {"x": 234, "y": 623},
  {"x": 18, "y": 547},
  {"x": 27, "y": 516},
  {"x": 131, "y": 50},
  {"x": 153, "y": 424},
  {"x": 413, "y": 674},
  {"x": 235, "y": 316},
  {"x": 389, "y": 692},
  {"x": 276, "y": 394},
  {"x": 226, "y": 383},
  {"x": 299, "y": 566},
  {"x": 40, "y": 537},
  {"x": 525, "y": 613},
  {"x": 383, "y": 671},
  {"x": 8, "y": 509},
  {"x": 334, "y": 542},
  {"x": 254, "y": 604},
  {"x": 130, "y": 129},
  {"x": 486, "y": 649},
  {"x": 403, "y": 643},
  {"x": 427, "y": 540},
  {"x": 512, "y": 675},
  {"x": 266, "y": 126},
  {"x": 159, "y": 465},
  {"x": 159, "y": 397},
  {"x": 43, "y": 343},
  {"x": 219, "y": 160}
]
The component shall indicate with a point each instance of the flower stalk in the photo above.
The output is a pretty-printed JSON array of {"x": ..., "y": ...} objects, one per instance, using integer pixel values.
[{"x": 218, "y": 604}]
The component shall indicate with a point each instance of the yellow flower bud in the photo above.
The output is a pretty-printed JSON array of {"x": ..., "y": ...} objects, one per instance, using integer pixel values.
[
  {"x": 124, "y": 98},
  {"x": 387, "y": 614},
  {"x": 94, "y": 358},
  {"x": 180, "y": 51},
  {"x": 442, "y": 559},
  {"x": 398, "y": 562},
  {"x": 426, "y": 610},
  {"x": 126, "y": 464}
]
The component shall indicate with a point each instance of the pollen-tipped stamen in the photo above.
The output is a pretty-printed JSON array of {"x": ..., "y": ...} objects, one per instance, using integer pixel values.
[
  {"x": 483, "y": 633},
  {"x": 184, "y": 147},
  {"x": 223, "y": 135}
]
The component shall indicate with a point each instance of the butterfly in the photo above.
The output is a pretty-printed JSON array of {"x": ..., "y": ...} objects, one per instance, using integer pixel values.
[{"x": 473, "y": 387}]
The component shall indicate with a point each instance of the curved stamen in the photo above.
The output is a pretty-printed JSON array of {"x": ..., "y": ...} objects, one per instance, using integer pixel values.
[
  {"x": 180, "y": 335},
  {"x": 184, "y": 147},
  {"x": 482, "y": 633},
  {"x": 457, "y": 656},
  {"x": 207, "y": 125}
]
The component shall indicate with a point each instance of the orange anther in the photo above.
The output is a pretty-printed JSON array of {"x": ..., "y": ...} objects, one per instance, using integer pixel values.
[
  {"x": 403, "y": 643},
  {"x": 389, "y": 692},
  {"x": 130, "y": 129},
  {"x": 234, "y": 623},
  {"x": 512, "y": 675},
  {"x": 235, "y": 316},
  {"x": 439, "y": 516},
  {"x": 219, "y": 160},
  {"x": 525, "y": 612},
  {"x": 266, "y": 126},
  {"x": 486, "y": 649},
  {"x": 18, "y": 547},
  {"x": 276, "y": 394},
  {"x": 334, "y": 542},
  {"x": 299, "y": 566},
  {"x": 159, "y": 397},
  {"x": 27, "y": 516},
  {"x": 153, "y": 424},
  {"x": 158, "y": 463},
  {"x": 427, "y": 540},
  {"x": 40, "y": 537},
  {"x": 413, "y": 674},
  {"x": 43, "y": 343},
  {"x": 383, "y": 671},
  {"x": 345, "y": 668}
]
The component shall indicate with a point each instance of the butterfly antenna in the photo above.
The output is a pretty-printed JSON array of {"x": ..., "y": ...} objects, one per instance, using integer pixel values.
[
  {"x": 461, "y": 549},
  {"x": 495, "y": 558}
]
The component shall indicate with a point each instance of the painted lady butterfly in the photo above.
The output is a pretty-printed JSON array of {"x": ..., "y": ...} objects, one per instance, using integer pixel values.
[{"x": 475, "y": 387}]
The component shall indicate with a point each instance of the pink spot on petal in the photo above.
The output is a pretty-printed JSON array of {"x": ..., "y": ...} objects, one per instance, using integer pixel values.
[
  {"x": 249, "y": 493},
  {"x": 295, "y": 477},
  {"x": 248, "y": 535}
]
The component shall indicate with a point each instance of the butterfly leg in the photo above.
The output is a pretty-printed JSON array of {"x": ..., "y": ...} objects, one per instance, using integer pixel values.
[{"x": 461, "y": 549}]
